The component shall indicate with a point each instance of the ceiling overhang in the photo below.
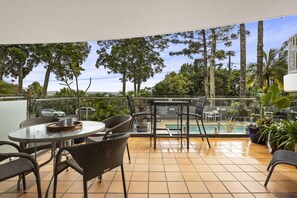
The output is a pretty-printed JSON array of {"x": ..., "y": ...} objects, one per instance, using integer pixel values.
[{"x": 52, "y": 21}]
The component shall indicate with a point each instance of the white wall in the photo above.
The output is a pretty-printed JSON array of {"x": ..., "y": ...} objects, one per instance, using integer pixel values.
[{"x": 11, "y": 114}]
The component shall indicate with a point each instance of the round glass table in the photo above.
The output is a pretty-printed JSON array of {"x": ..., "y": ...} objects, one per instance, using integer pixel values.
[{"x": 39, "y": 133}]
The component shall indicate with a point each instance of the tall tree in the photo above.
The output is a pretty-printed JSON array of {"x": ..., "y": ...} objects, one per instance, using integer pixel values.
[
  {"x": 212, "y": 64},
  {"x": 260, "y": 46},
  {"x": 221, "y": 35},
  {"x": 274, "y": 68},
  {"x": 135, "y": 59},
  {"x": 230, "y": 54},
  {"x": 242, "y": 60},
  {"x": 206, "y": 73},
  {"x": 195, "y": 47},
  {"x": 20, "y": 62},
  {"x": 202, "y": 47},
  {"x": 3, "y": 61},
  {"x": 56, "y": 57}
]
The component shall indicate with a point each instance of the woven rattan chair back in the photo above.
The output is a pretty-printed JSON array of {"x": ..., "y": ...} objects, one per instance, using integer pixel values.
[
  {"x": 99, "y": 157},
  {"x": 31, "y": 148},
  {"x": 94, "y": 159},
  {"x": 117, "y": 124},
  {"x": 21, "y": 165},
  {"x": 38, "y": 120},
  {"x": 200, "y": 105},
  {"x": 131, "y": 104}
]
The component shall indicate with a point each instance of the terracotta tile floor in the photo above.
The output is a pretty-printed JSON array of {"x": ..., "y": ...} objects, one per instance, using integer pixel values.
[{"x": 233, "y": 167}]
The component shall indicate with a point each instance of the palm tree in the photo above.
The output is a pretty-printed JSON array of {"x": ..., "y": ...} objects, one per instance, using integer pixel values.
[
  {"x": 260, "y": 55},
  {"x": 242, "y": 60},
  {"x": 274, "y": 68},
  {"x": 229, "y": 54}
]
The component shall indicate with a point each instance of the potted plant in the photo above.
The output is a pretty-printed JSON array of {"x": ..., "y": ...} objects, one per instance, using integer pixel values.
[
  {"x": 229, "y": 124},
  {"x": 288, "y": 136},
  {"x": 272, "y": 134},
  {"x": 271, "y": 102}
]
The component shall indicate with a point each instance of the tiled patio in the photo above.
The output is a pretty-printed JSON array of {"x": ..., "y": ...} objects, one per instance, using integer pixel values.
[{"x": 233, "y": 167}]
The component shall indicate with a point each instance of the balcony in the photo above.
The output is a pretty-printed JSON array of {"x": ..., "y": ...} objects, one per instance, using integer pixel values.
[{"x": 233, "y": 167}]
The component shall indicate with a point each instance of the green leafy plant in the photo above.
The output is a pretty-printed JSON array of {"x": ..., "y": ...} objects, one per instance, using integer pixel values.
[
  {"x": 287, "y": 136},
  {"x": 229, "y": 124},
  {"x": 272, "y": 101}
]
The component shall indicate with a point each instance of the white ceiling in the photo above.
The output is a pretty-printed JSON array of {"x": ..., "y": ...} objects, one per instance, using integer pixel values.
[{"x": 48, "y": 21}]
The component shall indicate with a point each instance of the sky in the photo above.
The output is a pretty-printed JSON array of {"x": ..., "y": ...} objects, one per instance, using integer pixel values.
[{"x": 276, "y": 31}]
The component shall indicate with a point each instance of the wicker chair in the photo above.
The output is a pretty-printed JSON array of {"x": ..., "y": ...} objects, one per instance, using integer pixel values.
[
  {"x": 94, "y": 159},
  {"x": 21, "y": 166},
  {"x": 114, "y": 124},
  {"x": 135, "y": 114},
  {"x": 31, "y": 148},
  {"x": 199, "y": 116}
]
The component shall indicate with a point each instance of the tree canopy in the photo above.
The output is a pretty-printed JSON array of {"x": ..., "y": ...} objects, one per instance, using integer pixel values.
[{"x": 136, "y": 59}]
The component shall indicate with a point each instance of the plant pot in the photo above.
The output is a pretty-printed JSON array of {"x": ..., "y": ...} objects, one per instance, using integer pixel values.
[{"x": 253, "y": 134}]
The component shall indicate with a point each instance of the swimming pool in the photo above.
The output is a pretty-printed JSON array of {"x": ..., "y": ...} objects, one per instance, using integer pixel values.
[{"x": 211, "y": 128}]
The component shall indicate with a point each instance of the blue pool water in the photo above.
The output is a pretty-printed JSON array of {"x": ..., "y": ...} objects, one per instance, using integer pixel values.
[{"x": 210, "y": 128}]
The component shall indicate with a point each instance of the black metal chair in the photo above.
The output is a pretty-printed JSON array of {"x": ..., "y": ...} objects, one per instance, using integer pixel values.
[
  {"x": 135, "y": 114},
  {"x": 19, "y": 167},
  {"x": 94, "y": 159},
  {"x": 281, "y": 157},
  {"x": 198, "y": 116},
  {"x": 32, "y": 148},
  {"x": 114, "y": 125}
]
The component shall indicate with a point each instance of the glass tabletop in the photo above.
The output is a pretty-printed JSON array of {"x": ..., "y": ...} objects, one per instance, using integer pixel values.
[{"x": 39, "y": 133}]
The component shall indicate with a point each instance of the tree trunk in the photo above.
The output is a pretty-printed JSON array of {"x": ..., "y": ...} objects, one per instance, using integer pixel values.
[
  {"x": 46, "y": 80},
  {"x": 135, "y": 87},
  {"x": 212, "y": 66},
  {"x": 242, "y": 60},
  {"x": 260, "y": 55},
  {"x": 229, "y": 63},
  {"x": 20, "y": 79},
  {"x": 124, "y": 84},
  {"x": 138, "y": 87},
  {"x": 206, "y": 88}
]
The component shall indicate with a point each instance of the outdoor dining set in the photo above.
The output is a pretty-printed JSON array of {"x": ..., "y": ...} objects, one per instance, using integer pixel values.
[{"x": 106, "y": 141}]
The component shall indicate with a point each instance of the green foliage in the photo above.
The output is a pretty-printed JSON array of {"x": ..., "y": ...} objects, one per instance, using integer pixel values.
[
  {"x": 62, "y": 59},
  {"x": 274, "y": 69},
  {"x": 35, "y": 88},
  {"x": 289, "y": 138},
  {"x": 145, "y": 92},
  {"x": 6, "y": 88},
  {"x": 173, "y": 84},
  {"x": 238, "y": 109},
  {"x": 136, "y": 59},
  {"x": 272, "y": 101},
  {"x": 19, "y": 62},
  {"x": 195, "y": 73},
  {"x": 283, "y": 134},
  {"x": 108, "y": 107}
]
